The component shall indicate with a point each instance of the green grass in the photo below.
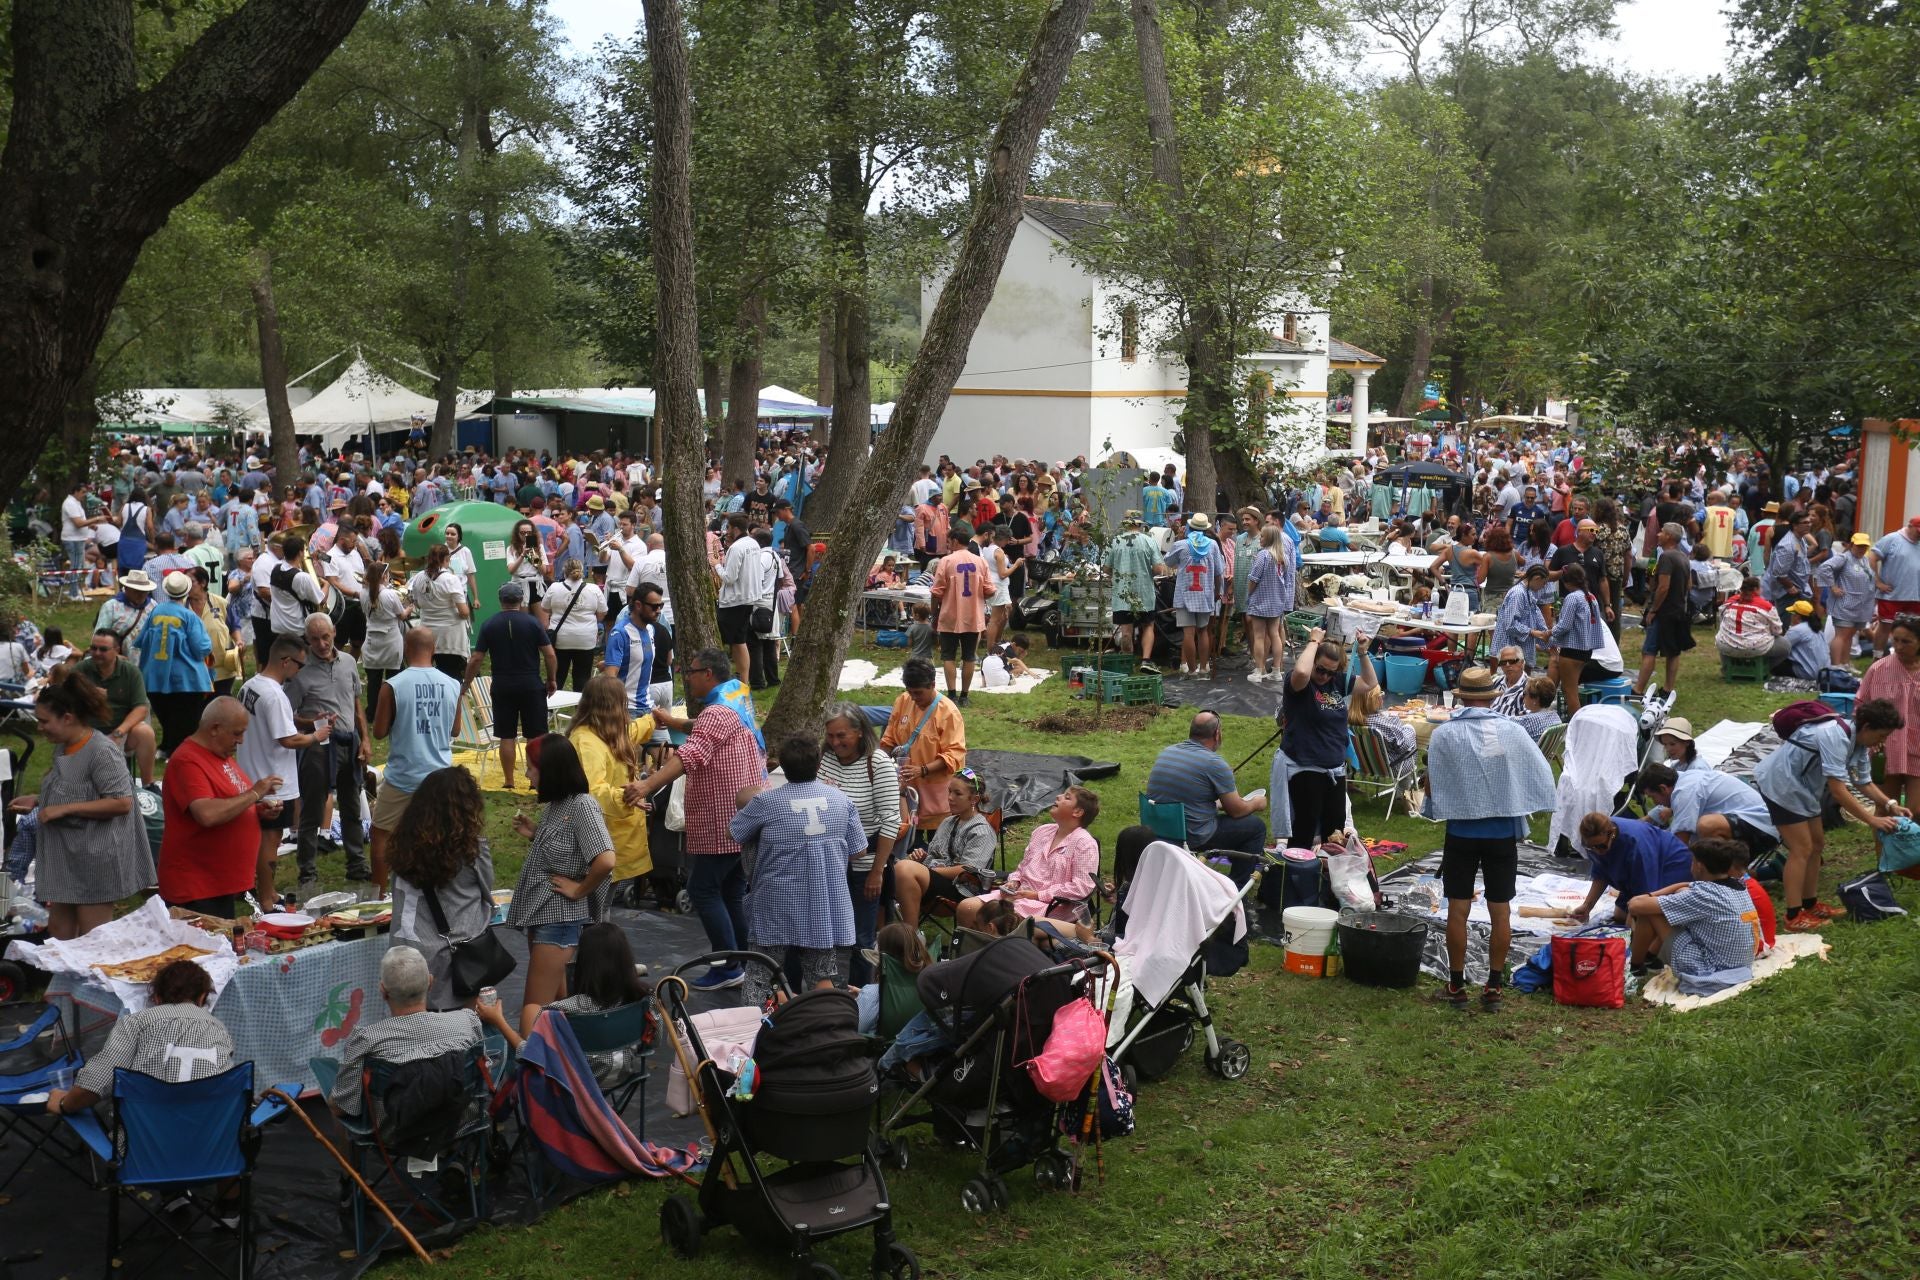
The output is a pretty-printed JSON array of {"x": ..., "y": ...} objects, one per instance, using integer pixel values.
[{"x": 1380, "y": 1135}]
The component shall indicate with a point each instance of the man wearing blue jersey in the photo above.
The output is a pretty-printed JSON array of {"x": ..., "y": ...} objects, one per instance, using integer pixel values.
[{"x": 1199, "y": 584}]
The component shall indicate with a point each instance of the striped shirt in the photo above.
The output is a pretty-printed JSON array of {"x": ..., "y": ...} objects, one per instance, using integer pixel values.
[
  {"x": 873, "y": 785},
  {"x": 956, "y": 843},
  {"x": 805, "y": 834},
  {"x": 571, "y": 834},
  {"x": 171, "y": 1042},
  {"x": 1196, "y": 777},
  {"x": 404, "y": 1039}
]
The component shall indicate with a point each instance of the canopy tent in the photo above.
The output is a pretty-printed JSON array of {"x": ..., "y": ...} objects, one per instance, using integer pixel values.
[
  {"x": 640, "y": 402},
  {"x": 359, "y": 402},
  {"x": 1432, "y": 473},
  {"x": 1519, "y": 420},
  {"x": 188, "y": 411}
]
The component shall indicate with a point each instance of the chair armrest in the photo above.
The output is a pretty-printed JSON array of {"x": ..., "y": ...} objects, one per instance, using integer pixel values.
[
  {"x": 88, "y": 1127},
  {"x": 271, "y": 1108}
]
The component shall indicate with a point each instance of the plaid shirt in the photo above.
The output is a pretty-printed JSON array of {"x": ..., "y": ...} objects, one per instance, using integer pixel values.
[
  {"x": 720, "y": 757},
  {"x": 1715, "y": 927}
]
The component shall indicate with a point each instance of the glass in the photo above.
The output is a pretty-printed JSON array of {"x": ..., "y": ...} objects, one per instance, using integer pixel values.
[{"x": 60, "y": 1078}]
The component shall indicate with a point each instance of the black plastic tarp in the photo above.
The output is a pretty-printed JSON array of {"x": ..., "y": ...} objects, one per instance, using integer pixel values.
[
  {"x": 299, "y": 1202},
  {"x": 1025, "y": 783},
  {"x": 1534, "y": 861}
]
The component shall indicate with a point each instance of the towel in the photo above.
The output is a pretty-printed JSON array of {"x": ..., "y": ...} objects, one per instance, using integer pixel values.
[
  {"x": 1174, "y": 904},
  {"x": 1788, "y": 948}
]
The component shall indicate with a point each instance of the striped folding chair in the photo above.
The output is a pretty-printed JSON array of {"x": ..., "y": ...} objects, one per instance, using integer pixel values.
[
  {"x": 1372, "y": 769},
  {"x": 473, "y": 731},
  {"x": 1553, "y": 744}
]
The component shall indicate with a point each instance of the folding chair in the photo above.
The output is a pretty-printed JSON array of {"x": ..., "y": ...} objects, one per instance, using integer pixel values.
[
  {"x": 1553, "y": 744},
  {"x": 173, "y": 1138},
  {"x": 1374, "y": 771},
  {"x": 629, "y": 1029},
  {"x": 1166, "y": 818},
  {"x": 28, "y": 1060},
  {"x": 473, "y": 727},
  {"x": 409, "y": 1191}
]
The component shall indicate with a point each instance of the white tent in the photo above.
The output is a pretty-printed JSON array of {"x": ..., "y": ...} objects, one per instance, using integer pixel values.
[
  {"x": 774, "y": 391},
  {"x": 203, "y": 405},
  {"x": 358, "y": 400}
]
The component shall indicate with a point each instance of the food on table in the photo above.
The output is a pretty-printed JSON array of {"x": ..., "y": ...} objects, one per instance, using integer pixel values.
[{"x": 147, "y": 967}]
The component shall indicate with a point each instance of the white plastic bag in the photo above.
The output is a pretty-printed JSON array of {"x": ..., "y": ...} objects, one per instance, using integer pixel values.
[
  {"x": 677, "y": 805},
  {"x": 1351, "y": 875}
]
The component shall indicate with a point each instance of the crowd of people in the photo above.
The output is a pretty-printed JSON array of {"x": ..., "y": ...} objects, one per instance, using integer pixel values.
[{"x": 261, "y": 635}]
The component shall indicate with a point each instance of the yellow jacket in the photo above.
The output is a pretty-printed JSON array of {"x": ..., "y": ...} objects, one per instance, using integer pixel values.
[{"x": 607, "y": 778}]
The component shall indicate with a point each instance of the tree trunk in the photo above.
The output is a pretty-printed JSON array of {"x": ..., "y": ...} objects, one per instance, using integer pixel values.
[
  {"x": 1204, "y": 407},
  {"x": 827, "y": 624},
  {"x": 442, "y": 438},
  {"x": 823, "y": 385},
  {"x": 273, "y": 374},
  {"x": 446, "y": 403},
  {"x": 77, "y": 429},
  {"x": 743, "y": 394},
  {"x": 93, "y": 165},
  {"x": 713, "y": 389},
  {"x": 1420, "y": 358},
  {"x": 851, "y": 427},
  {"x": 677, "y": 350}
]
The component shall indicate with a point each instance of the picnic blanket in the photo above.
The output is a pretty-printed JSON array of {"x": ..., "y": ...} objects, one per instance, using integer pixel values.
[
  {"x": 1725, "y": 738},
  {"x": 1788, "y": 948},
  {"x": 577, "y": 1129}
]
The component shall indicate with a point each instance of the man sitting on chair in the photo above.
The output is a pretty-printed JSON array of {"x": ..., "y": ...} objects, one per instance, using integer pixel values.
[
  {"x": 1192, "y": 774},
  {"x": 409, "y": 1032}
]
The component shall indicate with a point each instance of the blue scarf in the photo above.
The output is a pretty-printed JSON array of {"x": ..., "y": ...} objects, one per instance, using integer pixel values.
[
  {"x": 1197, "y": 546},
  {"x": 736, "y": 698}
]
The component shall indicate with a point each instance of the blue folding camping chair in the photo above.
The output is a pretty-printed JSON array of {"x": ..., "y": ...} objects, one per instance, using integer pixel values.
[
  {"x": 28, "y": 1061},
  {"x": 170, "y": 1145}
]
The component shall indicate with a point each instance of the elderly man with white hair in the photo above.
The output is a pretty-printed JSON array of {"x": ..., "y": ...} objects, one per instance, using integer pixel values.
[
  {"x": 409, "y": 1033},
  {"x": 329, "y": 688}
]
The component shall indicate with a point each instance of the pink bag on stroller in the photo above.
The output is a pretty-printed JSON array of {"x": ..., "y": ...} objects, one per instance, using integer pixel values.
[{"x": 1075, "y": 1048}]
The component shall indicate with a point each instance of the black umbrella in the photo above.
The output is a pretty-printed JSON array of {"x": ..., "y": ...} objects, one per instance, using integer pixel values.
[{"x": 1406, "y": 472}]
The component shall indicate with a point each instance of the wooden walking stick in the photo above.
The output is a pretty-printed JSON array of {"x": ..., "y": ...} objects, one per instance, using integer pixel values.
[{"x": 293, "y": 1104}]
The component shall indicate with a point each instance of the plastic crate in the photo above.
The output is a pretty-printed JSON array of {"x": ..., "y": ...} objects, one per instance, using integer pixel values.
[
  {"x": 1124, "y": 663},
  {"x": 1106, "y": 687},
  {"x": 1140, "y": 691}
]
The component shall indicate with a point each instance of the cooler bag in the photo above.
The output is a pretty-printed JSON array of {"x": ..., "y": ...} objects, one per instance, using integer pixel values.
[{"x": 1590, "y": 971}]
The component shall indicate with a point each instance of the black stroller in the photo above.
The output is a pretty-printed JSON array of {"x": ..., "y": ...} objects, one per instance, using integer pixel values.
[
  {"x": 812, "y": 1107},
  {"x": 997, "y": 1006}
]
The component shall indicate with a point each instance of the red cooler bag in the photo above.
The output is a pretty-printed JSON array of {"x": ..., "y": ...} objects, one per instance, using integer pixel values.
[{"x": 1590, "y": 971}]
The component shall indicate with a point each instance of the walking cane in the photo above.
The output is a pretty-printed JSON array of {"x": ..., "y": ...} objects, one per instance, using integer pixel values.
[
  {"x": 293, "y": 1104},
  {"x": 1257, "y": 750}
]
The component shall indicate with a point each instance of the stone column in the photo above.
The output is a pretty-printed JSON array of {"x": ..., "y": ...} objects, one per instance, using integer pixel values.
[{"x": 1360, "y": 378}]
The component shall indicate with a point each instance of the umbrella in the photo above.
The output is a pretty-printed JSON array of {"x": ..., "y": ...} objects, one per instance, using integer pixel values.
[{"x": 1407, "y": 474}]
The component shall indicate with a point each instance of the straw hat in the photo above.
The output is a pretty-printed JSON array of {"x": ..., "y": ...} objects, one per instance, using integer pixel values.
[
  {"x": 178, "y": 585},
  {"x": 1199, "y": 520},
  {"x": 1676, "y": 727},
  {"x": 1476, "y": 682},
  {"x": 136, "y": 580}
]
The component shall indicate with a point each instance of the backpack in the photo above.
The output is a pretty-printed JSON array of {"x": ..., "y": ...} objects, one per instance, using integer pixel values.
[
  {"x": 424, "y": 1104},
  {"x": 1837, "y": 680},
  {"x": 1796, "y": 716},
  {"x": 1869, "y": 898}
]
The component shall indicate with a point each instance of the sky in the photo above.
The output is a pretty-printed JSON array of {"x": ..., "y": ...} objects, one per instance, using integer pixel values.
[{"x": 1667, "y": 38}]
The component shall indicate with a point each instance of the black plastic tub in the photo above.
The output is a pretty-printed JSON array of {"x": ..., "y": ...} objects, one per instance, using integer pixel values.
[{"x": 1382, "y": 948}]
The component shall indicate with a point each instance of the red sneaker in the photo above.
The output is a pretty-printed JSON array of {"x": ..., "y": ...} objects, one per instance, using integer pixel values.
[
  {"x": 1826, "y": 911},
  {"x": 1803, "y": 922}
]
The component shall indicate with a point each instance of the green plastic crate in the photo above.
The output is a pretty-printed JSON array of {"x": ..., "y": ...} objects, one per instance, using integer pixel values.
[
  {"x": 1107, "y": 687},
  {"x": 1140, "y": 691},
  {"x": 1124, "y": 663}
]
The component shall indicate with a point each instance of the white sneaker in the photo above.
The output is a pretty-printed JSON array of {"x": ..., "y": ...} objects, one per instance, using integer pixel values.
[
  {"x": 1255, "y": 677},
  {"x": 1185, "y": 670}
]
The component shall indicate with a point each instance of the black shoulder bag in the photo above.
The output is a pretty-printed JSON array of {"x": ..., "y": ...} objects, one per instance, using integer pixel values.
[
  {"x": 479, "y": 961},
  {"x": 578, "y": 591}
]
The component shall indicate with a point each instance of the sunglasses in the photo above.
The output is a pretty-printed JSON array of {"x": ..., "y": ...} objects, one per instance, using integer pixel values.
[
  {"x": 1326, "y": 671},
  {"x": 1513, "y": 662}
]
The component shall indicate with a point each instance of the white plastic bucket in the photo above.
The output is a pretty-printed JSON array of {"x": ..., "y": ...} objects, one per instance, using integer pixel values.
[{"x": 1308, "y": 932}]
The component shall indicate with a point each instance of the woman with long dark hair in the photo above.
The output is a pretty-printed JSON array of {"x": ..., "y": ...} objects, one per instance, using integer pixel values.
[
  {"x": 439, "y": 848},
  {"x": 569, "y": 856}
]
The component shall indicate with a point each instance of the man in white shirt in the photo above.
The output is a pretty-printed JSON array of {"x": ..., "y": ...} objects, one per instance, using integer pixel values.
[
  {"x": 292, "y": 587},
  {"x": 650, "y": 567},
  {"x": 76, "y": 531},
  {"x": 739, "y": 593},
  {"x": 925, "y": 486},
  {"x": 268, "y": 750},
  {"x": 346, "y": 572}
]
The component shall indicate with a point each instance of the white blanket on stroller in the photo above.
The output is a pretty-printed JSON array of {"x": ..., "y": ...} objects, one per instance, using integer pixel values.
[{"x": 1173, "y": 905}]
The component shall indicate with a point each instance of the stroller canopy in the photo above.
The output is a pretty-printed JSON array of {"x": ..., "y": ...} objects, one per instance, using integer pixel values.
[
  {"x": 1602, "y": 747},
  {"x": 1174, "y": 904},
  {"x": 957, "y": 993}
]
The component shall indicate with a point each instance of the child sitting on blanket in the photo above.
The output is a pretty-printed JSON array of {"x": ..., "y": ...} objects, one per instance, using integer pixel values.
[
  {"x": 1707, "y": 928},
  {"x": 1005, "y": 662}
]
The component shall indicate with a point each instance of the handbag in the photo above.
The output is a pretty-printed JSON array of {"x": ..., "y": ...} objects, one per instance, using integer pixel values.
[
  {"x": 761, "y": 620},
  {"x": 1075, "y": 1048},
  {"x": 474, "y": 962},
  {"x": 1589, "y": 971}
]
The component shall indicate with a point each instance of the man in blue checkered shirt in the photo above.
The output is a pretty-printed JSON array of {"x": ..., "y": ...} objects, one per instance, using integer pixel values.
[{"x": 1708, "y": 928}]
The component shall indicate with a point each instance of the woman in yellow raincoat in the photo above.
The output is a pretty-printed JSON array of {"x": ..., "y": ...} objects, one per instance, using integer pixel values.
[{"x": 609, "y": 745}]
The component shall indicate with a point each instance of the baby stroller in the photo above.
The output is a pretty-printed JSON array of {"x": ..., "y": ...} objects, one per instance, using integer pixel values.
[
  {"x": 1190, "y": 921},
  {"x": 995, "y": 1006},
  {"x": 808, "y": 1100}
]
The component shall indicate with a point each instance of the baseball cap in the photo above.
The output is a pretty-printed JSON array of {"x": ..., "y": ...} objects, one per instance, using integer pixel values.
[
  {"x": 1861, "y": 540},
  {"x": 1802, "y": 608}
]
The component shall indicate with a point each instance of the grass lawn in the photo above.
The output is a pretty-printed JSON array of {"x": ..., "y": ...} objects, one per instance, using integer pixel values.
[{"x": 1379, "y": 1134}]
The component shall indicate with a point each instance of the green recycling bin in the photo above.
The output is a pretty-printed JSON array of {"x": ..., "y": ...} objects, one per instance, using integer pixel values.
[{"x": 484, "y": 530}]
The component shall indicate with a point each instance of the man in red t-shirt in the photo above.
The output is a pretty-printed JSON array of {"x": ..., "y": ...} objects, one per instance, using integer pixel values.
[{"x": 210, "y": 852}]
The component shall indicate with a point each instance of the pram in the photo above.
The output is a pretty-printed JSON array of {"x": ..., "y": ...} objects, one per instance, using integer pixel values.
[
  {"x": 1197, "y": 926},
  {"x": 995, "y": 1006},
  {"x": 811, "y": 1106}
]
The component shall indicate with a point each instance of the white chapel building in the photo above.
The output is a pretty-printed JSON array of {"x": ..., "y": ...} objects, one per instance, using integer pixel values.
[{"x": 1058, "y": 367}]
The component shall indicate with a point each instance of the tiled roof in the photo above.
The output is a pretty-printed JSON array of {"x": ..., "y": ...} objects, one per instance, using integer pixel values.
[
  {"x": 1067, "y": 219},
  {"x": 1338, "y": 351}
]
